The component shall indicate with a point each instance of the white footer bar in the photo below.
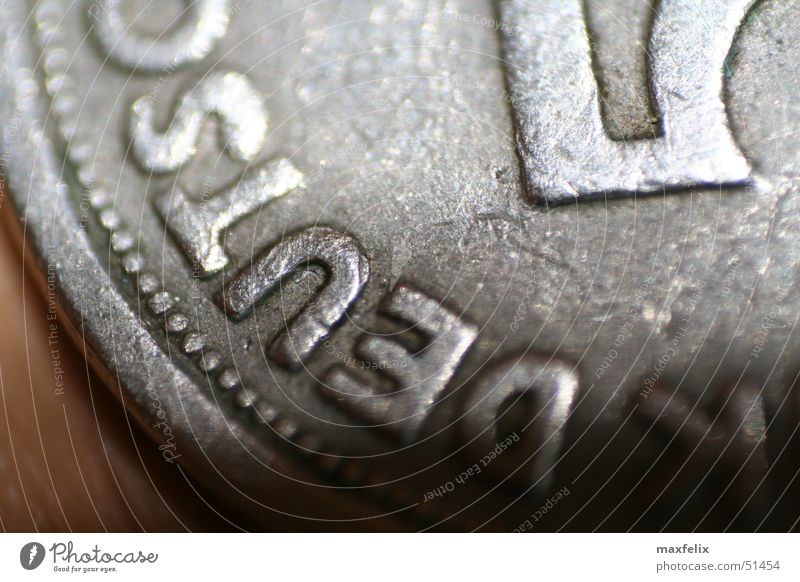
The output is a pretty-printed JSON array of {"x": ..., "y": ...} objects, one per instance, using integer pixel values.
[{"x": 406, "y": 558}]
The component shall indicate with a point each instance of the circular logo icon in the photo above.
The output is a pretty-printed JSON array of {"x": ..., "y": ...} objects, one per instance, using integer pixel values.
[{"x": 31, "y": 555}]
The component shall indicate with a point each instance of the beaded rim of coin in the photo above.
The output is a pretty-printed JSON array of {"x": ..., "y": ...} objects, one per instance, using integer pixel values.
[
  {"x": 167, "y": 303},
  {"x": 95, "y": 319}
]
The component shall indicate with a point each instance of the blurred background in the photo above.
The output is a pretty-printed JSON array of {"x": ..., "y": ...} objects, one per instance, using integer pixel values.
[{"x": 71, "y": 459}]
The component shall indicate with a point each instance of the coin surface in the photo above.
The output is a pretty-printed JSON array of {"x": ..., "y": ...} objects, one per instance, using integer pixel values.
[{"x": 451, "y": 265}]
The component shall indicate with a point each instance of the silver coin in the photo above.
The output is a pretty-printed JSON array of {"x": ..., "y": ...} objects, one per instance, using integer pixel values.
[{"x": 517, "y": 265}]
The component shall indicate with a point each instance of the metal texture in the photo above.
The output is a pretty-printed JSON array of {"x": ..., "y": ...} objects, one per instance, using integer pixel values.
[
  {"x": 436, "y": 264},
  {"x": 565, "y": 149}
]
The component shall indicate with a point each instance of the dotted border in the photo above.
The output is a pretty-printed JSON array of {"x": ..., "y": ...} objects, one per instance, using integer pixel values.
[{"x": 65, "y": 106}]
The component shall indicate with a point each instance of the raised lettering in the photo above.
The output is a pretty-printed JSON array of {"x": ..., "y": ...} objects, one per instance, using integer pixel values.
[
  {"x": 418, "y": 378},
  {"x": 566, "y": 152},
  {"x": 194, "y": 38},
  {"x": 347, "y": 271},
  {"x": 546, "y": 389}
]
